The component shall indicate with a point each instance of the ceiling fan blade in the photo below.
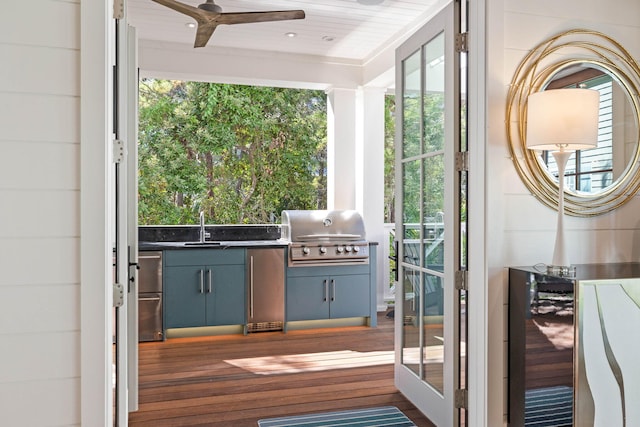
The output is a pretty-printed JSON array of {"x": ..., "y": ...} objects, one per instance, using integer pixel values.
[
  {"x": 248, "y": 17},
  {"x": 198, "y": 14},
  {"x": 209, "y": 17},
  {"x": 204, "y": 33}
]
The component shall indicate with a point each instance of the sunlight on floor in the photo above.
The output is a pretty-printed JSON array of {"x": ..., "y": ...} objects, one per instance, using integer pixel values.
[
  {"x": 311, "y": 362},
  {"x": 432, "y": 354}
]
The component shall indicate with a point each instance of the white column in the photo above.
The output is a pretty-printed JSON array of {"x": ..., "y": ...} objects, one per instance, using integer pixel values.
[
  {"x": 355, "y": 163},
  {"x": 370, "y": 175},
  {"x": 341, "y": 152}
]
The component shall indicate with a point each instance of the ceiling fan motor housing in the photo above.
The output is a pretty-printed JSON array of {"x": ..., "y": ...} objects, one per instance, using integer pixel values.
[{"x": 210, "y": 6}]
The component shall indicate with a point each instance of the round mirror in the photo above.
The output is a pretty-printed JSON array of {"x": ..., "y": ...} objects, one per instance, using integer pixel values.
[
  {"x": 593, "y": 171},
  {"x": 600, "y": 179}
]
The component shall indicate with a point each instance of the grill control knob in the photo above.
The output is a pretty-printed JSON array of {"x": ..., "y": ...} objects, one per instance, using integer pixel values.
[
  {"x": 339, "y": 249},
  {"x": 356, "y": 249},
  {"x": 306, "y": 251},
  {"x": 323, "y": 250},
  {"x": 348, "y": 248}
]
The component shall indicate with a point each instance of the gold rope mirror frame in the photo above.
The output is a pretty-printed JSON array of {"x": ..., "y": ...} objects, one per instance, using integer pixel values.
[{"x": 536, "y": 70}]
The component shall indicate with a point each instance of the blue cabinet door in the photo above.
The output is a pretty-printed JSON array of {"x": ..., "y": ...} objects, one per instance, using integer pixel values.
[
  {"x": 204, "y": 287},
  {"x": 350, "y": 296},
  {"x": 328, "y": 297},
  {"x": 307, "y": 298},
  {"x": 225, "y": 294},
  {"x": 184, "y": 302}
]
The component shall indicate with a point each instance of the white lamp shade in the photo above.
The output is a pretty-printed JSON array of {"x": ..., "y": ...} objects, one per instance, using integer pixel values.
[{"x": 563, "y": 118}]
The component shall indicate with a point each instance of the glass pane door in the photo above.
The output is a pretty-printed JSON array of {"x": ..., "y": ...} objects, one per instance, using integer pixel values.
[
  {"x": 423, "y": 211},
  {"x": 427, "y": 346},
  {"x": 462, "y": 209},
  {"x": 126, "y": 225}
]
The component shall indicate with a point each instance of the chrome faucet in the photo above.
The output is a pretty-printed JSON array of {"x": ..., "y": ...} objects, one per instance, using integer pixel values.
[{"x": 202, "y": 232}]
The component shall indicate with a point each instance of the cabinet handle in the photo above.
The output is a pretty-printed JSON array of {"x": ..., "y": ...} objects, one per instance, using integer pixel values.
[
  {"x": 251, "y": 286},
  {"x": 326, "y": 290},
  {"x": 149, "y": 299},
  {"x": 333, "y": 290},
  {"x": 149, "y": 257},
  {"x": 210, "y": 281},
  {"x": 201, "y": 281}
]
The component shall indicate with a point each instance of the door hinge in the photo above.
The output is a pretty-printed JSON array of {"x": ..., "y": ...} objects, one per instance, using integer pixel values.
[
  {"x": 118, "y": 295},
  {"x": 462, "y": 42},
  {"x": 462, "y": 161},
  {"x": 461, "y": 280},
  {"x": 460, "y": 397},
  {"x": 118, "y": 9},
  {"x": 118, "y": 151}
]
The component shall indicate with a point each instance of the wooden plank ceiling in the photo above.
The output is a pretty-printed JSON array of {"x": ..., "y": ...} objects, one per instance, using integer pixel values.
[{"x": 345, "y": 30}]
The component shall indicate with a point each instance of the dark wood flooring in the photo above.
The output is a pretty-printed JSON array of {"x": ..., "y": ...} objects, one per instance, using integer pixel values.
[{"x": 236, "y": 380}]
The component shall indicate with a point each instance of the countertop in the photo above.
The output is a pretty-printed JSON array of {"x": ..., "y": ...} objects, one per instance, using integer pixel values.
[
  {"x": 155, "y": 246},
  {"x": 159, "y": 246},
  {"x": 596, "y": 271},
  {"x": 163, "y": 237}
]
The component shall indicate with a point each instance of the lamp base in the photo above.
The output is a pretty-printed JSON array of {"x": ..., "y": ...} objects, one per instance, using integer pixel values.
[{"x": 562, "y": 270}]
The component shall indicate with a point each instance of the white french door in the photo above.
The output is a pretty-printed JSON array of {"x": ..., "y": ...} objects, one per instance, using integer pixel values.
[
  {"x": 431, "y": 206},
  {"x": 126, "y": 221}
]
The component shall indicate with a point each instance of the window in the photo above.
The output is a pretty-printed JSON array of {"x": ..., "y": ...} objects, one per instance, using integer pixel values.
[{"x": 591, "y": 170}]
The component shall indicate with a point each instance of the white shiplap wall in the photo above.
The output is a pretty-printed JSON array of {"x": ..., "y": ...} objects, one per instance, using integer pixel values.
[
  {"x": 523, "y": 230},
  {"x": 39, "y": 213}
]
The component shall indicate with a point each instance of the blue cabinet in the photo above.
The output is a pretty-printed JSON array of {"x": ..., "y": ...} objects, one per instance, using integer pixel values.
[
  {"x": 328, "y": 297},
  {"x": 204, "y": 287},
  {"x": 332, "y": 292}
]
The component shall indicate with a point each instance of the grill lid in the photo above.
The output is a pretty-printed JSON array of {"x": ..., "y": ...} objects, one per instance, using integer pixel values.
[{"x": 322, "y": 225}]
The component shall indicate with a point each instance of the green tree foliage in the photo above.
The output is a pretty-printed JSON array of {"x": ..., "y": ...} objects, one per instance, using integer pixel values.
[
  {"x": 389, "y": 158},
  {"x": 423, "y": 141},
  {"x": 242, "y": 154}
]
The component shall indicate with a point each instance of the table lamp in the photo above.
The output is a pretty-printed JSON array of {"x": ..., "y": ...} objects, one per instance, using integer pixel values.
[{"x": 562, "y": 121}]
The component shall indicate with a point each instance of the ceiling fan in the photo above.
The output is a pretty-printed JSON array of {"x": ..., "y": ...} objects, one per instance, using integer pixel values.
[{"x": 209, "y": 15}]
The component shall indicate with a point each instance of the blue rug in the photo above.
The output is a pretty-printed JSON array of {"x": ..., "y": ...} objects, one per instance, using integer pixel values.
[
  {"x": 549, "y": 407},
  {"x": 371, "y": 417}
]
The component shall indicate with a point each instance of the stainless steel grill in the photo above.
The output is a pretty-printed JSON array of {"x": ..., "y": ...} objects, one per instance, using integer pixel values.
[{"x": 321, "y": 237}]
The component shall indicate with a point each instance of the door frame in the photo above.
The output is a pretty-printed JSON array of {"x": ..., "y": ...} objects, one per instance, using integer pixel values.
[
  {"x": 479, "y": 308},
  {"x": 97, "y": 231},
  {"x": 94, "y": 255},
  {"x": 95, "y": 116}
]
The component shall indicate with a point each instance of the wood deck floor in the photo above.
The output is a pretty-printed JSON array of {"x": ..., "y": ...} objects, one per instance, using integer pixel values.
[{"x": 236, "y": 380}]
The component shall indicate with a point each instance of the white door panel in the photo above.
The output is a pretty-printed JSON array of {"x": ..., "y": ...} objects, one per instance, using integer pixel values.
[
  {"x": 428, "y": 226},
  {"x": 125, "y": 154}
]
